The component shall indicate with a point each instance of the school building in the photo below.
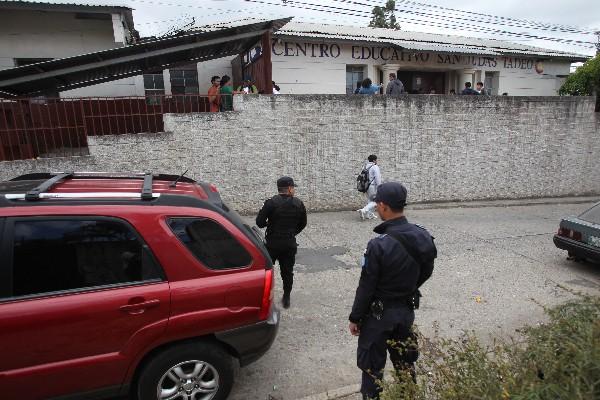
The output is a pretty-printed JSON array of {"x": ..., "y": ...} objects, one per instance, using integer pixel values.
[{"x": 330, "y": 59}]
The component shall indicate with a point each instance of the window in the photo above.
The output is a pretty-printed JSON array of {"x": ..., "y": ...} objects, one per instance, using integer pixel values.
[
  {"x": 19, "y": 62},
  {"x": 354, "y": 74},
  {"x": 210, "y": 243},
  {"x": 592, "y": 215},
  {"x": 66, "y": 254},
  {"x": 154, "y": 86},
  {"x": 184, "y": 81},
  {"x": 491, "y": 82}
]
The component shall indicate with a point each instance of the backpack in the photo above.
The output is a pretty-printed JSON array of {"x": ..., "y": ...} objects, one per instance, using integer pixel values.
[{"x": 362, "y": 180}]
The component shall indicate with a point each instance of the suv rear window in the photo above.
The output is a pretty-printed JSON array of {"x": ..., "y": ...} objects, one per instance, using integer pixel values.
[
  {"x": 66, "y": 254},
  {"x": 592, "y": 215},
  {"x": 210, "y": 243}
]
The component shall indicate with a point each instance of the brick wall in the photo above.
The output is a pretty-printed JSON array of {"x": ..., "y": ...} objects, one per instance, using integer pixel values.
[{"x": 442, "y": 147}]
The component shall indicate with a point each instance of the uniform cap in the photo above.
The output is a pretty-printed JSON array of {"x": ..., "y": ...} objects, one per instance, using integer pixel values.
[
  {"x": 391, "y": 193},
  {"x": 285, "y": 181}
]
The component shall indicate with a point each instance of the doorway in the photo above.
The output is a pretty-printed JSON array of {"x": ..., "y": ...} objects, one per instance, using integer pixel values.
[
  {"x": 422, "y": 82},
  {"x": 354, "y": 75}
]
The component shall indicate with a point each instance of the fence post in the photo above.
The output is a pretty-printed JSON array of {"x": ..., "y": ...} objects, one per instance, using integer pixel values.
[
  {"x": 266, "y": 59},
  {"x": 84, "y": 123}
]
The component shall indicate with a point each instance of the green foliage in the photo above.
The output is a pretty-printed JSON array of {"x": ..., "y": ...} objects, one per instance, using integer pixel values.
[
  {"x": 584, "y": 81},
  {"x": 559, "y": 360},
  {"x": 383, "y": 17}
]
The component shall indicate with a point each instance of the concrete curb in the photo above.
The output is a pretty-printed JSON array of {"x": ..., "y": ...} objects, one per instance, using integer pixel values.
[
  {"x": 481, "y": 203},
  {"x": 334, "y": 393},
  {"x": 505, "y": 202}
]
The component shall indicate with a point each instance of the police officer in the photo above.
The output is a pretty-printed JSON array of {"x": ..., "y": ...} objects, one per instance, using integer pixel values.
[
  {"x": 396, "y": 264},
  {"x": 284, "y": 216}
]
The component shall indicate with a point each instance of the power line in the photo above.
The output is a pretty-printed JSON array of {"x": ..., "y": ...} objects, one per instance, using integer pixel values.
[
  {"x": 471, "y": 14},
  {"x": 228, "y": 11},
  {"x": 445, "y": 25},
  {"x": 459, "y": 25},
  {"x": 471, "y": 17},
  {"x": 353, "y": 13}
]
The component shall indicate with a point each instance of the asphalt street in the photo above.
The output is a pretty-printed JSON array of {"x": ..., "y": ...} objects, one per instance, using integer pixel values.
[{"x": 496, "y": 265}]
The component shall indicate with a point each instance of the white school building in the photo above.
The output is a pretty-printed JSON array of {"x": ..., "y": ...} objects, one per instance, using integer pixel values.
[{"x": 329, "y": 59}]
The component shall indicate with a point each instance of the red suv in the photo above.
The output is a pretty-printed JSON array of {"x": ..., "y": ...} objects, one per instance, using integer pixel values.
[{"x": 144, "y": 285}]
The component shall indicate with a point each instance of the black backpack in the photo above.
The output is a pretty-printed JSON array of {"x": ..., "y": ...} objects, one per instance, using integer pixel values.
[{"x": 362, "y": 180}]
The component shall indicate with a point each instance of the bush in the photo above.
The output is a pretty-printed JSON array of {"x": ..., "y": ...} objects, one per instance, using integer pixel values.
[
  {"x": 554, "y": 361},
  {"x": 584, "y": 81}
]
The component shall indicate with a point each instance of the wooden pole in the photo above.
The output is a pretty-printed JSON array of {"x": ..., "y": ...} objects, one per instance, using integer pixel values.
[{"x": 266, "y": 58}]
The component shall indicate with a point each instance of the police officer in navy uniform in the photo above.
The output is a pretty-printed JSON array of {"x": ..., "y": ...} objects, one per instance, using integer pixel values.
[
  {"x": 396, "y": 264},
  {"x": 284, "y": 216}
]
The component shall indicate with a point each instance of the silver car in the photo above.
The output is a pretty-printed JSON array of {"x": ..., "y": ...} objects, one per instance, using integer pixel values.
[{"x": 580, "y": 235}]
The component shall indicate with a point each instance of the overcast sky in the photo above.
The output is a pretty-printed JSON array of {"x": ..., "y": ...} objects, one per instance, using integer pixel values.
[{"x": 156, "y": 17}]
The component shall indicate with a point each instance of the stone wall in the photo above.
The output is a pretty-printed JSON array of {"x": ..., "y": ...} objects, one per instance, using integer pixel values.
[{"x": 443, "y": 148}]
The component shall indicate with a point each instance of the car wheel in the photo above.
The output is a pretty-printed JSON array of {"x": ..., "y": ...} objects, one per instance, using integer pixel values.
[{"x": 193, "y": 371}]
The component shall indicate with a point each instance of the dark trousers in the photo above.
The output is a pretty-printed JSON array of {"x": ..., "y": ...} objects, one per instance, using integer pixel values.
[
  {"x": 287, "y": 258},
  {"x": 374, "y": 344}
]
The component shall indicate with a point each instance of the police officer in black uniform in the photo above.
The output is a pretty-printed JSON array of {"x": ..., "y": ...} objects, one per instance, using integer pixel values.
[
  {"x": 284, "y": 216},
  {"x": 396, "y": 264}
]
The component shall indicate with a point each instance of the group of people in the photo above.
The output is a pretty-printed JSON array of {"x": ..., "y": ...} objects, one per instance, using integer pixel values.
[
  {"x": 395, "y": 264},
  {"x": 468, "y": 90},
  {"x": 395, "y": 87},
  {"x": 220, "y": 93}
]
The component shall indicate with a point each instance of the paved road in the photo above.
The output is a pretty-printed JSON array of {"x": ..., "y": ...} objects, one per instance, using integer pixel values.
[{"x": 503, "y": 255}]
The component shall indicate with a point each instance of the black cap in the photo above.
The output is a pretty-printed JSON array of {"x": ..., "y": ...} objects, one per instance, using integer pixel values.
[
  {"x": 391, "y": 193},
  {"x": 285, "y": 181}
]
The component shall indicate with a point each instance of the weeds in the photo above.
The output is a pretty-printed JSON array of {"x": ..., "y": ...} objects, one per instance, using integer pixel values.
[{"x": 553, "y": 361}]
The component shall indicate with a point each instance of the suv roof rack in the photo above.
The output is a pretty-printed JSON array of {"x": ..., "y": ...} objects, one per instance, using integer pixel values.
[
  {"x": 147, "y": 187},
  {"x": 34, "y": 194},
  {"x": 100, "y": 175},
  {"x": 41, "y": 191}
]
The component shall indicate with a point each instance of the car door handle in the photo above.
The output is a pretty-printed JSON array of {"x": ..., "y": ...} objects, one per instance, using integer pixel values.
[{"x": 139, "y": 308}]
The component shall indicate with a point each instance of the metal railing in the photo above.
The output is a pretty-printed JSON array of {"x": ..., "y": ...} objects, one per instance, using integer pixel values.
[{"x": 59, "y": 127}]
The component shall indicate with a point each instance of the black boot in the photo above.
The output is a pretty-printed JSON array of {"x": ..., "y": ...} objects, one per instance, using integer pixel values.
[{"x": 285, "y": 300}]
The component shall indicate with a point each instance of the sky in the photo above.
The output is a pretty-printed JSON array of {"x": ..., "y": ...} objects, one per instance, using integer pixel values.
[{"x": 157, "y": 17}]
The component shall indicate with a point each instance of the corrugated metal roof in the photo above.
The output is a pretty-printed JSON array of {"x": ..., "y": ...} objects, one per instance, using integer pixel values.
[
  {"x": 122, "y": 62},
  {"x": 68, "y": 3},
  {"x": 421, "y": 41}
]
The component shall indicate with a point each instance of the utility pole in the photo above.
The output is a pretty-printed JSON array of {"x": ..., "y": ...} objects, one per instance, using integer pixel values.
[{"x": 598, "y": 42}]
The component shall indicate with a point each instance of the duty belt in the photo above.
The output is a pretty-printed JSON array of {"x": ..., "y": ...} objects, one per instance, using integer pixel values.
[{"x": 397, "y": 302}]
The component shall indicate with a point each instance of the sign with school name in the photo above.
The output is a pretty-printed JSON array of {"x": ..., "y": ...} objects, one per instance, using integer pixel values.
[{"x": 392, "y": 55}]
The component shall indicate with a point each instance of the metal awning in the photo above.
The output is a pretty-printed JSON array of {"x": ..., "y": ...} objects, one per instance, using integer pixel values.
[{"x": 58, "y": 75}]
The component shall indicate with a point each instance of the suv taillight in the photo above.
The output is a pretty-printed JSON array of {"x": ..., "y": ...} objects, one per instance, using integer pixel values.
[
  {"x": 267, "y": 299},
  {"x": 570, "y": 233}
]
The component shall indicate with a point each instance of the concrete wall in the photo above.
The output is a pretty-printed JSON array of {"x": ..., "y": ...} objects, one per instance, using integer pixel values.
[{"x": 442, "y": 147}]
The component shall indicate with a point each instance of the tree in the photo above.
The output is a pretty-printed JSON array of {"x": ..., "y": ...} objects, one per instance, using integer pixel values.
[
  {"x": 383, "y": 17},
  {"x": 584, "y": 81}
]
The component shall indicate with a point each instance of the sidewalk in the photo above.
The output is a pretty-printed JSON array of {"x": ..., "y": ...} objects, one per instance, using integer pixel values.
[
  {"x": 505, "y": 202},
  {"x": 350, "y": 392},
  {"x": 489, "y": 255}
]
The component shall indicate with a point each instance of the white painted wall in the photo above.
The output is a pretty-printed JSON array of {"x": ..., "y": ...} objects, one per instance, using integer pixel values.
[
  {"x": 323, "y": 70},
  {"x": 37, "y": 34},
  {"x": 208, "y": 69}
]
